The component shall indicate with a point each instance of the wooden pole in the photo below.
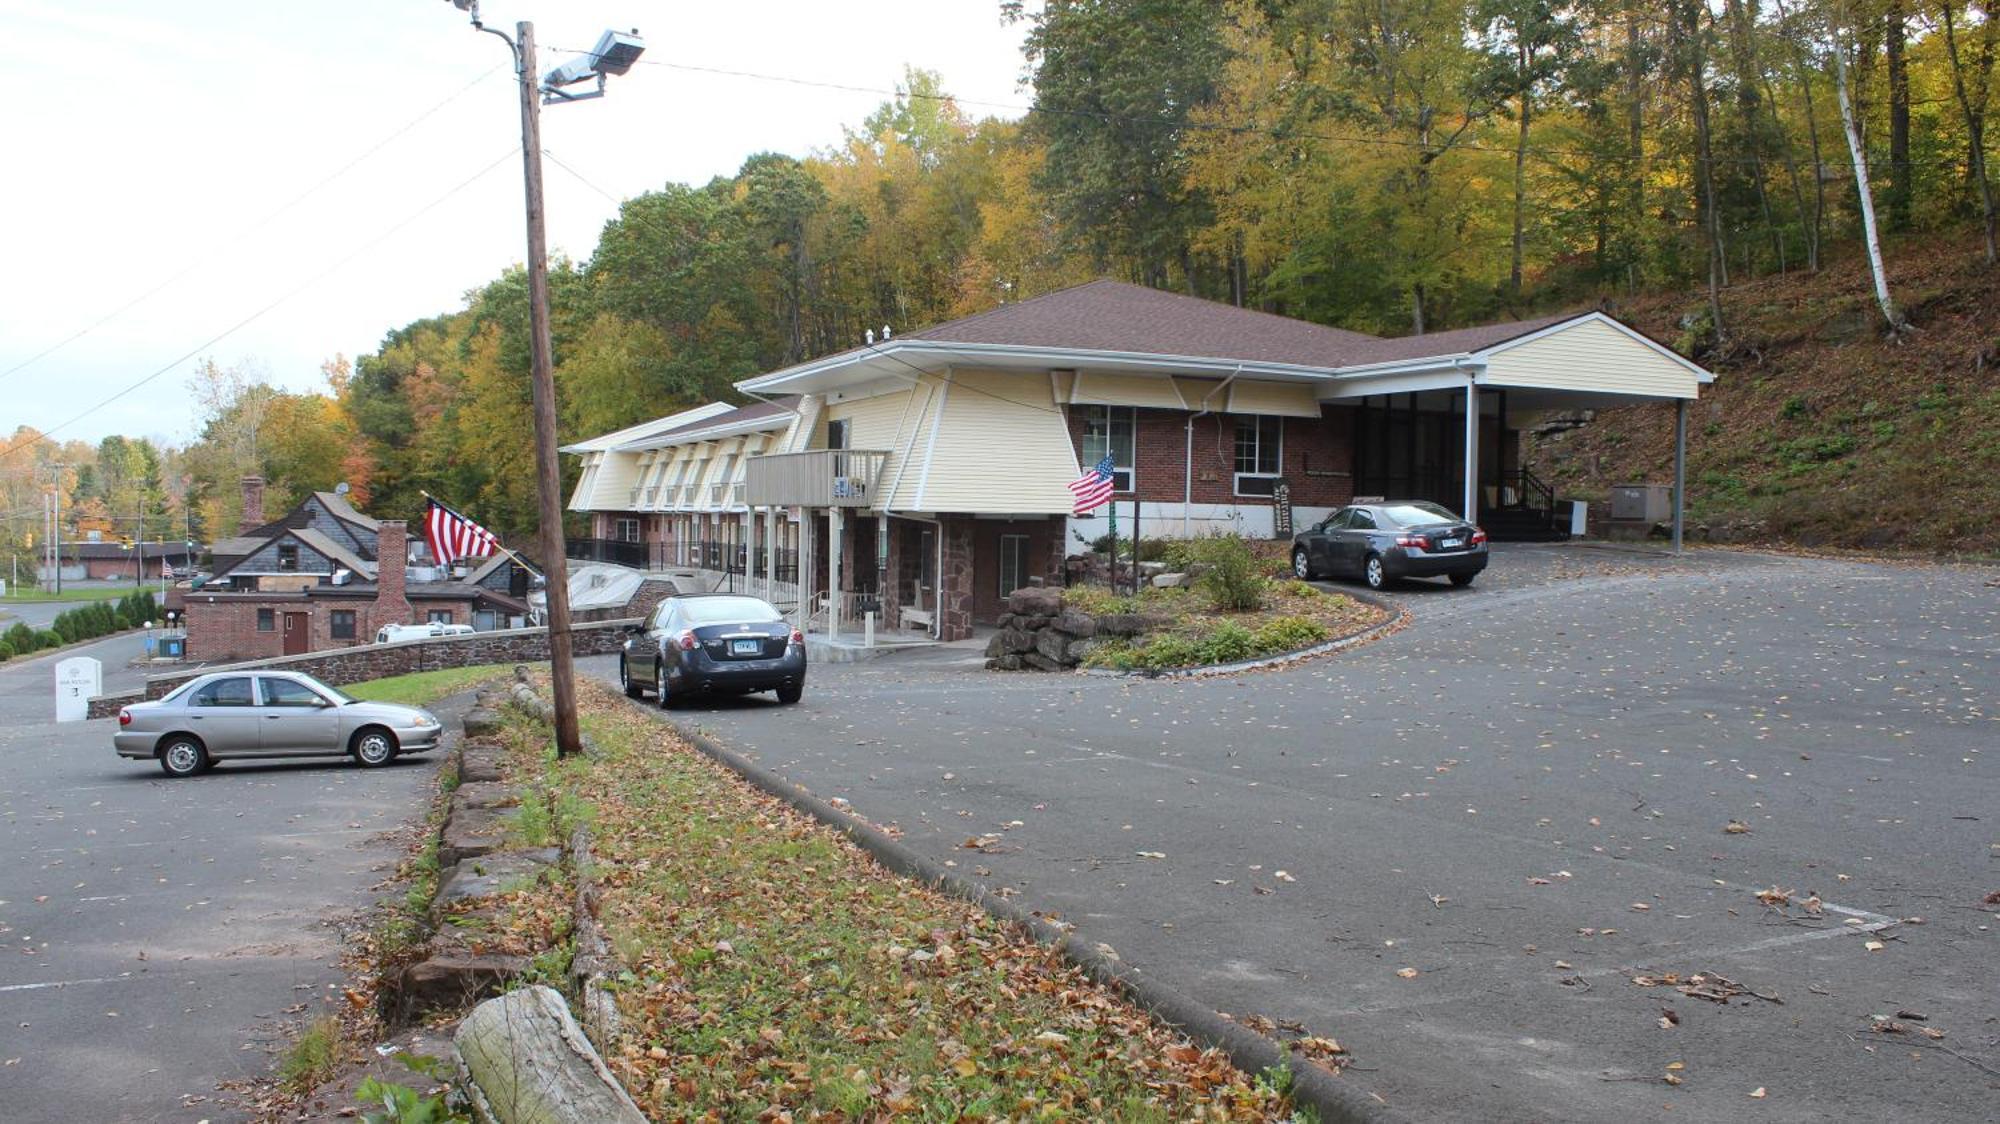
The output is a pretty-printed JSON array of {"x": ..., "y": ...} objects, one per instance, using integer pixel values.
[{"x": 548, "y": 470}]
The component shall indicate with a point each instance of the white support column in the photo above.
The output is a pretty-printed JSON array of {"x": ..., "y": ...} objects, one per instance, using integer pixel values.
[
  {"x": 1470, "y": 513},
  {"x": 770, "y": 554},
  {"x": 1680, "y": 469},
  {"x": 805, "y": 568},
  {"x": 833, "y": 582}
]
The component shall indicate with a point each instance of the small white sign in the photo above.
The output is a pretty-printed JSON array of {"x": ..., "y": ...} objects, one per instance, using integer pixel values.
[{"x": 79, "y": 679}]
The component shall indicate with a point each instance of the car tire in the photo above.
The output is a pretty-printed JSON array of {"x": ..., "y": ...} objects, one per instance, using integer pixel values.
[
  {"x": 790, "y": 695},
  {"x": 1462, "y": 580},
  {"x": 1373, "y": 572},
  {"x": 373, "y": 747},
  {"x": 183, "y": 755},
  {"x": 632, "y": 690},
  {"x": 660, "y": 685},
  {"x": 1302, "y": 567}
]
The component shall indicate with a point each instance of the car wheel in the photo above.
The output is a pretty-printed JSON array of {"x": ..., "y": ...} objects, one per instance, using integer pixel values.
[
  {"x": 1373, "y": 573},
  {"x": 1462, "y": 580},
  {"x": 632, "y": 690},
  {"x": 183, "y": 756},
  {"x": 374, "y": 747},
  {"x": 790, "y": 695},
  {"x": 1302, "y": 567},
  {"x": 660, "y": 684}
]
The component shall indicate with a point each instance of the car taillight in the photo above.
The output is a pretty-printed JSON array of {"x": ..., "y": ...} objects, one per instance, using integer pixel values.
[
  {"x": 124, "y": 718},
  {"x": 1410, "y": 540},
  {"x": 1478, "y": 536},
  {"x": 798, "y": 638},
  {"x": 686, "y": 641}
]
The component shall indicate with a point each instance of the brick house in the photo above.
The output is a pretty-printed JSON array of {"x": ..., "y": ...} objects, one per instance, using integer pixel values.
[
  {"x": 326, "y": 576},
  {"x": 111, "y": 561},
  {"x": 925, "y": 476}
]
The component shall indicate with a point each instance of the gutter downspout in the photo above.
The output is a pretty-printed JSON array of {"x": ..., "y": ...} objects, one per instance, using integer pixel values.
[{"x": 1187, "y": 460}]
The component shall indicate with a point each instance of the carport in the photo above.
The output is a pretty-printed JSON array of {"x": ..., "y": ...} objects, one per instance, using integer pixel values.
[{"x": 1476, "y": 380}]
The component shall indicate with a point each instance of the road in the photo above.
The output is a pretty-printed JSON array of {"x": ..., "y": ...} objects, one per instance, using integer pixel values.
[
  {"x": 159, "y": 937},
  {"x": 1489, "y": 823}
]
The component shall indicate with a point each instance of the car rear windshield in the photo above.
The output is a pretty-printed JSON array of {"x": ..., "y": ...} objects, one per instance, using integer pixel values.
[
  {"x": 1417, "y": 514},
  {"x": 726, "y": 610}
]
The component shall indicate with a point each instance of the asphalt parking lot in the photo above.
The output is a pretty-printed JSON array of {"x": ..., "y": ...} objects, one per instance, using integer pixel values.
[
  {"x": 160, "y": 937},
  {"x": 1454, "y": 850}
]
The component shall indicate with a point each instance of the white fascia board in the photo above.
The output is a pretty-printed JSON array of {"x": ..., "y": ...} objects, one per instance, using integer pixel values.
[
  {"x": 643, "y": 430},
  {"x": 1701, "y": 373},
  {"x": 915, "y": 352},
  {"x": 1413, "y": 379},
  {"x": 697, "y": 436}
]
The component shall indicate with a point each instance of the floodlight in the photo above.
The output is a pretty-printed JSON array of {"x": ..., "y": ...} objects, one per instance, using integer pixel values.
[{"x": 615, "y": 53}]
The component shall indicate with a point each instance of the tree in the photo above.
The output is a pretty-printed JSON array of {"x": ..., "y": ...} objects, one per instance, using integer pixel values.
[
  {"x": 1865, "y": 197},
  {"x": 1972, "y": 101},
  {"x": 1530, "y": 41}
]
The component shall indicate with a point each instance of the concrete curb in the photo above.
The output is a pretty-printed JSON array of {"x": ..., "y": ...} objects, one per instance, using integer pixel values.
[
  {"x": 1329, "y": 1096},
  {"x": 1398, "y": 617}
]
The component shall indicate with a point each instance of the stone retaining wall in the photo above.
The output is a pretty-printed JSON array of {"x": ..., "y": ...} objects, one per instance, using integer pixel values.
[
  {"x": 1039, "y": 633},
  {"x": 375, "y": 661}
]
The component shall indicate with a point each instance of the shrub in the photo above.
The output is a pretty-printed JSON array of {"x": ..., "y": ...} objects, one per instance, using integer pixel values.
[
  {"x": 1795, "y": 407},
  {"x": 1228, "y": 643},
  {"x": 1230, "y": 575},
  {"x": 6, "y": 651},
  {"x": 48, "y": 638},
  {"x": 21, "y": 638},
  {"x": 1288, "y": 634}
]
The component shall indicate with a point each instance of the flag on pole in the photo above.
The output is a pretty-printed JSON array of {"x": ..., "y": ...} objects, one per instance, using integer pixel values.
[
  {"x": 1093, "y": 489},
  {"x": 452, "y": 536},
  {"x": 166, "y": 570}
]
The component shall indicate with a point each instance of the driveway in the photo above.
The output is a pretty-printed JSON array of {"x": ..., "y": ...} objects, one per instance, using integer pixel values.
[
  {"x": 158, "y": 937},
  {"x": 1489, "y": 823}
]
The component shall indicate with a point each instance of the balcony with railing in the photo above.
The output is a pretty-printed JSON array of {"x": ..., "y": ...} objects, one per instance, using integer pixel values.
[{"x": 821, "y": 478}]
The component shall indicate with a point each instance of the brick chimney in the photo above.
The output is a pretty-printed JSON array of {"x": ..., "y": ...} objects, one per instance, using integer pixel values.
[
  {"x": 253, "y": 504},
  {"x": 392, "y": 602}
]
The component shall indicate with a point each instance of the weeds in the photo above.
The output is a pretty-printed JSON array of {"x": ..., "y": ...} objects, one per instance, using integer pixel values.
[{"x": 313, "y": 1057}]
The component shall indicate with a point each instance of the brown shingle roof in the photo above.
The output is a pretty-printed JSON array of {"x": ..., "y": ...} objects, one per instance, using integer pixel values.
[{"x": 1374, "y": 350}]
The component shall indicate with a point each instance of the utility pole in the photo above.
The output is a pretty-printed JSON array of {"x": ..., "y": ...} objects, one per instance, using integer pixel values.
[{"x": 548, "y": 471}]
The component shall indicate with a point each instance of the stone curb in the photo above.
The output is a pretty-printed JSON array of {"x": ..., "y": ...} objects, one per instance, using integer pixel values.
[
  {"x": 1253, "y": 1053},
  {"x": 1398, "y": 617}
]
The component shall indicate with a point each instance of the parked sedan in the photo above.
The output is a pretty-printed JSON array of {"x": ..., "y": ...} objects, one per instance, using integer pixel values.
[
  {"x": 713, "y": 644},
  {"x": 268, "y": 714},
  {"x": 1383, "y": 542}
]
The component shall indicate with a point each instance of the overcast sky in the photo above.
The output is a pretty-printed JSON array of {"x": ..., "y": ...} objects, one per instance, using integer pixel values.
[{"x": 169, "y": 145}]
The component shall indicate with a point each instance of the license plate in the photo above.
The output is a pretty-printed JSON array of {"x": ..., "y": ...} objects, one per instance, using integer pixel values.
[
  {"x": 1450, "y": 544},
  {"x": 746, "y": 647}
]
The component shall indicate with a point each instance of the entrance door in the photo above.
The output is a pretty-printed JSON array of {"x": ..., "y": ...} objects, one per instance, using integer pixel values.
[{"x": 297, "y": 637}]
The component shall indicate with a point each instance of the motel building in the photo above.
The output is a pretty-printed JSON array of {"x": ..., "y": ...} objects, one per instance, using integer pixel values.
[{"x": 921, "y": 478}]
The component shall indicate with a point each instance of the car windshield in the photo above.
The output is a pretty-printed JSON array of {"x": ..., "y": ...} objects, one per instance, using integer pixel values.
[
  {"x": 1417, "y": 514},
  {"x": 726, "y": 610}
]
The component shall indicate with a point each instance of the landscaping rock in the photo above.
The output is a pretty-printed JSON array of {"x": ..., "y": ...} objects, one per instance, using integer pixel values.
[
  {"x": 474, "y": 831},
  {"x": 1080, "y": 651},
  {"x": 1170, "y": 581},
  {"x": 1126, "y": 624},
  {"x": 1079, "y": 625},
  {"x": 1039, "y": 602},
  {"x": 452, "y": 979},
  {"x": 1016, "y": 641},
  {"x": 483, "y": 794},
  {"x": 485, "y": 875},
  {"x": 527, "y": 1062},
  {"x": 481, "y": 722},
  {"x": 479, "y": 761},
  {"x": 1051, "y": 645},
  {"x": 1041, "y": 662},
  {"x": 996, "y": 646},
  {"x": 1009, "y": 662}
]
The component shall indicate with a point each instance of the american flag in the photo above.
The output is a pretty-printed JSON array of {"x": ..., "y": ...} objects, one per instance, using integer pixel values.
[
  {"x": 452, "y": 536},
  {"x": 166, "y": 570},
  {"x": 1093, "y": 489}
]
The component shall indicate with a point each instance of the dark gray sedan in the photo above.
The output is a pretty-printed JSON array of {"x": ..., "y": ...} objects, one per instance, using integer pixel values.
[
  {"x": 713, "y": 644},
  {"x": 268, "y": 714},
  {"x": 1383, "y": 542}
]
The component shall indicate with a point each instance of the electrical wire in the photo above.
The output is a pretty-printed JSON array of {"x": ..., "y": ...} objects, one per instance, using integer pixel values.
[
  {"x": 237, "y": 238},
  {"x": 45, "y": 435}
]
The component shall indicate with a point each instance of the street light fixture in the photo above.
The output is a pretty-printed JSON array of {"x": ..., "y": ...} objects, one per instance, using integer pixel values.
[{"x": 615, "y": 53}]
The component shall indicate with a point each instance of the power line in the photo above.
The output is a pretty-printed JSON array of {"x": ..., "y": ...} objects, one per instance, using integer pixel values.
[
  {"x": 196, "y": 263},
  {"x": 45, "y": 435}
]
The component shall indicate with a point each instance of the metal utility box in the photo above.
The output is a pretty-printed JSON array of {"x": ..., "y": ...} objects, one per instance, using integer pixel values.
[{"x": 1648, "y": 503}]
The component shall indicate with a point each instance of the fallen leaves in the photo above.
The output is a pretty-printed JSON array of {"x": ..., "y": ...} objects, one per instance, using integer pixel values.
[
  {"x": 1736, "y": 827},
  {"x": 1407, "y": 973}
]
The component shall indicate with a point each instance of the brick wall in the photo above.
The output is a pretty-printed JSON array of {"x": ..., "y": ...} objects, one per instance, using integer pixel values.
[
  {"x": 224, "y": 626},
  {"x": 1318, "y": 458},
  {"x": 377, "y": 661},
  {"x": 1044, "y": 561},
  {"x": 392, "y": 605},
  {"x": 955, "y": 582}
]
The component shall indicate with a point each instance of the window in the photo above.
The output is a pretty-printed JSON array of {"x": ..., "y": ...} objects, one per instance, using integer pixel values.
[
  {"x": 485, "y": 620},
  {"x": 267, "y": 620},
  {"x": 1111, "y": 429},
  {"x": 1259, "y": 453},
  {"x": 225, "y": 692},
  {"x": 1360, "y": 520},
  {"x": 438, "y": 616},
  {"x": 289, "y": 692},
  {"x": 627, "y": 530},
  {"x": 342, "y": 624},
  {"x": 288, "y": 556},
  {"x": 837, "y": 433},
  {"x": 1013, "y": 563}
]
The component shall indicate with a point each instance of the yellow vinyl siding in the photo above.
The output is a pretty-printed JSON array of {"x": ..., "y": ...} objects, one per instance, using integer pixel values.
[
  {"x": 579, "y": 500},
  {"x": 1286, "y": 399},
  {"x": 903, "y": 470},
  {"x": 1097, "y": 388},
  {"x": 872, "y": 422},
  {"x": 616, "y": 474},
  {"x": 1002, "y": 446},
  {"x": 1590, "y": 356}
]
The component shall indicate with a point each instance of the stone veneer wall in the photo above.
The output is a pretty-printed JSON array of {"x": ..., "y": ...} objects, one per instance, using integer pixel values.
[{"x": 375, "y": 661}]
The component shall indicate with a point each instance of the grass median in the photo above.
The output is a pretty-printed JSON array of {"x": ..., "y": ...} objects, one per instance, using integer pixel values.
[{"x": 771, "y": 967}]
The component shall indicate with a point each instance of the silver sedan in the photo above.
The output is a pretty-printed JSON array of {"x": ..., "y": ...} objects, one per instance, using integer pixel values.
[{"x": 268, "y": 714}]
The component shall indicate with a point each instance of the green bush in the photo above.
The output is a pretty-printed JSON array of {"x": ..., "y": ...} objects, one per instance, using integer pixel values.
[
  {"x": 21, "y": 639},
  {"x": 6, "y": 651},
  {"x": 1228, "y": 643},
  {"x": 1288, "y": 634},
  {"x": 1230, "y": 574},
  {"x": 48, "y": 638}
]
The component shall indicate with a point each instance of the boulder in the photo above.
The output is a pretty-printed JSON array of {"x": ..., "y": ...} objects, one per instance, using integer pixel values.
[
  {"x": 486, "y": 875},
  {"x": 527, "y": 1062},
  {"x": 1040, "y": 662},
  {"x": 996, "y": 646},
  {"x": 1052, "y": 645},
  {"x": 1080, "y": 651},
  {"x": 1079, "y": 625},
  {"x": 483, "y": 794},
  {"x": 1169, "y": 581},
  {"x": 474, "y": 831},
  {"x": 1016, "y": 640},
  {"x": 452, "y": 979},
  {"x": 481, "y": 722},
  {"x": 479, "y": 761},
  {"x": 1008, "y": 662},
  {"x": 1039, "y": 601}
]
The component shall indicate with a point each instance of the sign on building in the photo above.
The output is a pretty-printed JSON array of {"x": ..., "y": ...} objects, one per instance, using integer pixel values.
[
  {"x": 1281, "y": 508},
  {"x": 79, "y": 679}
]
